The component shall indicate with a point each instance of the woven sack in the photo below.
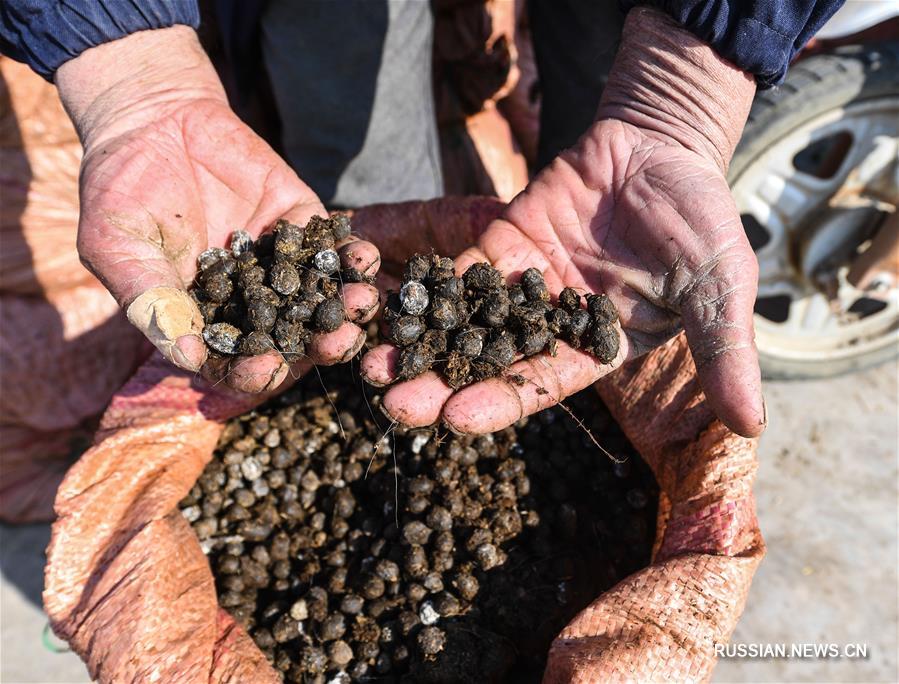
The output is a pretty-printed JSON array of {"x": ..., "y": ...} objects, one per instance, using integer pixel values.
[
  {"x": 65, "y": 346},
  {"x": 129, "y": 588}
]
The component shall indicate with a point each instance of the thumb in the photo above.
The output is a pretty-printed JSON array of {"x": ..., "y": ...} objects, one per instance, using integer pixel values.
[
  {"x": 717, "y": 311},
  {"x": 148, "y": 284},
  {"x": 172, "y": 322}
]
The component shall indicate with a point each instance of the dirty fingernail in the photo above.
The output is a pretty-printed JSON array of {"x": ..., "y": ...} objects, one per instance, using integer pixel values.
[
  {"x": 279, "y": 374},
  {"x": 373, "y": 382},
  {"x": 448, "y": 424},
  {"x": 356, "y": 348}
]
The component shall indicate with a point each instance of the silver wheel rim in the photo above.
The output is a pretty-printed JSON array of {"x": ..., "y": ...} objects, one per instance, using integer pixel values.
[{"x": 806, "y": 217}]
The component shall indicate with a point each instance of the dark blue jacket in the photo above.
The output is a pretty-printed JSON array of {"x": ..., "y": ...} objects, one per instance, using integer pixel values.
[{"x": 759, "y": 36}]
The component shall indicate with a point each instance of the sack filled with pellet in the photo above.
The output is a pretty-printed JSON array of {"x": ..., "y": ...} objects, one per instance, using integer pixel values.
[{"x": 208, "y": 536}]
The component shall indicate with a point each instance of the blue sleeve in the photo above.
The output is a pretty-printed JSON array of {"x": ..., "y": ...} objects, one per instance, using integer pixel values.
[
  {"x": 45, "y": 34},
  {"x": 759, "y": 36}
]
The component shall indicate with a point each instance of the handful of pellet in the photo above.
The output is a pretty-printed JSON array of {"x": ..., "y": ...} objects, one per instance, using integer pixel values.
[
  {"x": 274, "y": 292},
  {"x": 474, "y": 327}
]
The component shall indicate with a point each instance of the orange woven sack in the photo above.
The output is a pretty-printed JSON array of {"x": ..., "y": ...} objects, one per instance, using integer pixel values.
[
  {"x": 65, "y": 346},
  {"x": 129, "y": 588}
]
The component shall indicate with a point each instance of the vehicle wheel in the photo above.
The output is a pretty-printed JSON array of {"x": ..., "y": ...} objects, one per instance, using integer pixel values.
[{"x": 816, "y": 180}]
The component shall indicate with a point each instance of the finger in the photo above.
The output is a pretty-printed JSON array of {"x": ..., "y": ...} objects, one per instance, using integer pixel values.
[
  {"x": 414, "y": 403},
  {"x": 717, "y": 317},
  {"x": 306, "y": 206},
  {"x": 265, "y": 372},
  {"x": 360, "y": 301},
  {"x": 254, "y": 374},
  {"x": 217, "y": 370},
  {"x": 379, "y": 365},
  {"x": 360, "y": 255},
  {"x": 543, "y": 381},
  {"x": 172, "y": 322},
  {"x": 417, "y": 402},
  {"x": 336, "y": 347},
  {"x": 511, "y": 252}
]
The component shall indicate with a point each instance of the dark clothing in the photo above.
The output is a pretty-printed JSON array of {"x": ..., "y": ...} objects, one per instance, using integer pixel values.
[
  {"x": 369, "y": 133},
  {"x": 574, "y": 45},
  {"x": 759, "y": 36},
  {"x": 352, "y": 80},
  {"x": 46, "y": 34}
]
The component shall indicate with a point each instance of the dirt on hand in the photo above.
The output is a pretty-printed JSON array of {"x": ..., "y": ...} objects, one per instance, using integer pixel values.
[
  {"x": 350, "y": 554},
  {"x": 274, "y": 292},
  {"x": 474, "y": 327}
]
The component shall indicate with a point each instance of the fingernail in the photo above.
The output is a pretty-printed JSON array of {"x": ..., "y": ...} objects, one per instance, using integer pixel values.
[
  {"x": 371, "y": 382},
  {"x": 279, "y": 374},
  {"x": 351, "y": 259},
  {"x": 214, "y": 369},
  {"x": 189, "y": 352},
  {"x": 354, "y": 261},
  {"x": 383, "y": 409},
  {"x": 452, "y": 428},
  {"x": 356, "y": 348},
  {"x": 372, "y": 267}
]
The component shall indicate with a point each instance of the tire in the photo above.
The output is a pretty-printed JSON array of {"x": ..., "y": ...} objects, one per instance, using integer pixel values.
[{"x": 813, "y": 87}]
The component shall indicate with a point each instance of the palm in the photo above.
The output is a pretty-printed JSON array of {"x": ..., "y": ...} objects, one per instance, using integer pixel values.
[
  {"x": 652, "y": 225},
  {"x": 159, "y": 194}
]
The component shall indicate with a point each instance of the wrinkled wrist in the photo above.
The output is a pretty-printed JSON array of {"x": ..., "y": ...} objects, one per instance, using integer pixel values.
[
  {"x": 128, "y": 82},
  {"x": 667, "y": 81}
]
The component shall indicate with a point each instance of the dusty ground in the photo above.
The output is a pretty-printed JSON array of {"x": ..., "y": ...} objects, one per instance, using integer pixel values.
[
  {"x": 827, "y": 500},
  {"x": 827, "y": 505}
]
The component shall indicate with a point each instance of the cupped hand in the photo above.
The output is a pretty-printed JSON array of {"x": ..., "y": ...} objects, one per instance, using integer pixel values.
[
  {"x": 638, "y": 209},
  {"x": 644, "y": 219},
  {"x": 168, "y": 171}
]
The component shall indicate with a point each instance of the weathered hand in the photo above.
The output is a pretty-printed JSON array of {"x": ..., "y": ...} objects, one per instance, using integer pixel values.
[
  {"x": 642, "y": 212},
  {"x": 646, "y": 221},
  {"x": 170, "y": 170}
]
